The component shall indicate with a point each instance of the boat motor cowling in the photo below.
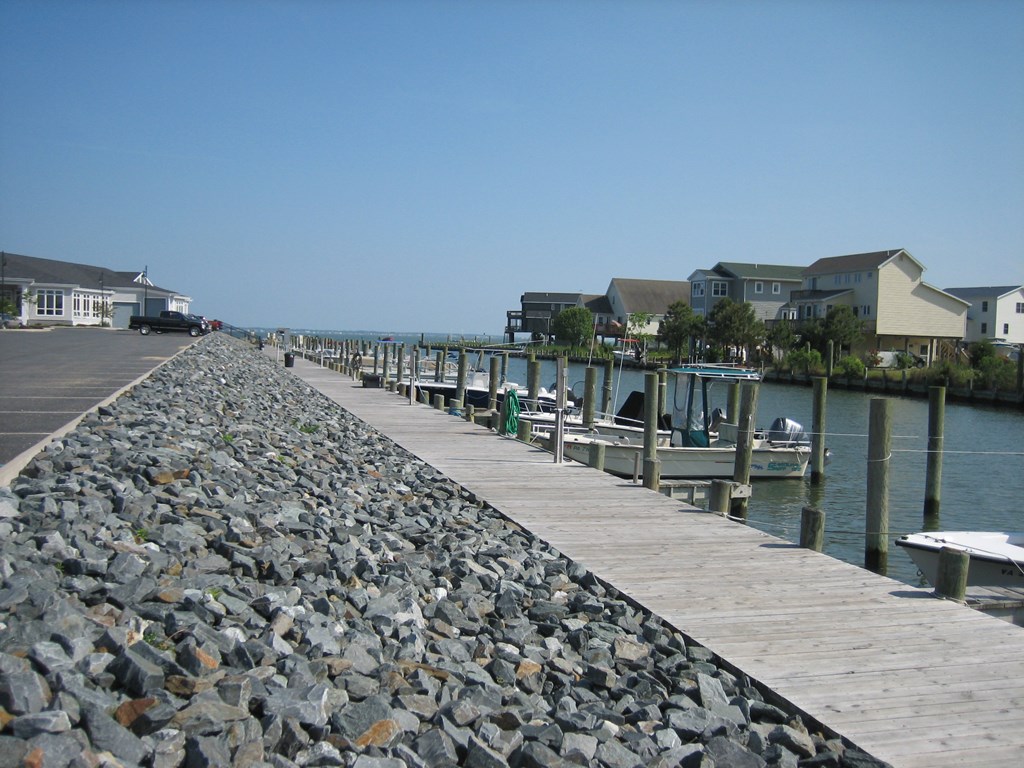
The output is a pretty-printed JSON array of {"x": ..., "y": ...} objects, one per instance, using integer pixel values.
[{"x": 785, "y": 431}]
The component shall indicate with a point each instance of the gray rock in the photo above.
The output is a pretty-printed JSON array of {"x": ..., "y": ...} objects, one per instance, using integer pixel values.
[
  {"x": 725, "y": 751},
  {"x": 23, "y": 691},
  {"x": 30, "y": 725},
  {"x": 436, "y": 748},
  {"x": 107, "y": 735}
]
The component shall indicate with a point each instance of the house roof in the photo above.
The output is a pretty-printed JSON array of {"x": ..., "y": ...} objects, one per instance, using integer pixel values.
[
  {"x": 54, "y": 272},
  {"x": 598, "y": 304},
  {"x": 760, "y": 271},
  {"x": 983, "y": 292},
  {"x": 819, "y": 295},
  {"x": 854, "y": 262},
  {"x": 654, "y": 296},
  {"x": 547, "y": 297}
]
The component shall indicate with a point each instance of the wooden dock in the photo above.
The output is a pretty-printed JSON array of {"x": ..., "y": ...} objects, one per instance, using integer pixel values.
[{"x": 911, "y": 679}]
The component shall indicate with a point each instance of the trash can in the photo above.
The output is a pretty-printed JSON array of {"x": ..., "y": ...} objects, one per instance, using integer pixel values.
[{"x": 289, "y": 359}]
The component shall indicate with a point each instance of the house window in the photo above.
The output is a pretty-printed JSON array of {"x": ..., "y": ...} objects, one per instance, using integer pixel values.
[
  {"x": 718, "y": 288},
  {"x": 1006, "y": 329},
  {"x": 866, "y": 310},
  {"x": 839, "y": 280},
  {"x": 758, "y": 287},
  {"x": 856, "y": 278},
  {"x": 869, "y": 274},
  {"x": 1020, "y": 307},
  {"x": 49, "y": 302},
  {"x": 984, "y": 327},
  {"x": 776, "y": 288},
  {"x": 808, "y": 311},
  {"x": 698, "y": 289},
  {"x": 984, "y": 306}
]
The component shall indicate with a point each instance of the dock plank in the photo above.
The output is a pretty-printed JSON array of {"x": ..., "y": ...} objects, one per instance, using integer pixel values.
[{"x": 913, "y": 680}]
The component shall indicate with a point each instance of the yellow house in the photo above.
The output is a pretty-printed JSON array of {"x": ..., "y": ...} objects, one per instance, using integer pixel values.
[{"x": 885, "y": 290}]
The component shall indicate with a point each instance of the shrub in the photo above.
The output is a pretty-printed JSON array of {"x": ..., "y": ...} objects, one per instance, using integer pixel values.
[
  {"x": 945, "y": 374},
  {"x": 850, "y": 367},
  {"x": 903, "y": 360},
  {"x": 800, "y": 360},
  {"x": 996, "y": 373}
]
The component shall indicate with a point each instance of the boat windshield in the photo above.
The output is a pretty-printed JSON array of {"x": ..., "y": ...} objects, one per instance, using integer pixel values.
[{"x": 694, "y": 395}]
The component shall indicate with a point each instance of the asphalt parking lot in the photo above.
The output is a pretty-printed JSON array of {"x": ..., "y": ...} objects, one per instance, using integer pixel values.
[{"x": 49, "y": 378}]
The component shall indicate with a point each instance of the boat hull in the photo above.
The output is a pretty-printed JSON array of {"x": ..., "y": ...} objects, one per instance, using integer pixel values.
[
  {"x": 996, "y": 559},
  {"x": 694, "y": 463}
]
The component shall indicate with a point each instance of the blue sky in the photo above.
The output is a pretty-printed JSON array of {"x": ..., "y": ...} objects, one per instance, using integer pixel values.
[{"x": 417, "y": 166}]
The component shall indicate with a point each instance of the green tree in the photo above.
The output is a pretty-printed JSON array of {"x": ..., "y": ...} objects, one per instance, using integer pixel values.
[
  {"x": 680, "y": 325},
  {"x": 842, "y": 327},
  {"x": 574, "y": 326},
  {"x": 636, "y": 328},
  {"x": 781, "y": 336},
  {"x": 735, "y": 325}
]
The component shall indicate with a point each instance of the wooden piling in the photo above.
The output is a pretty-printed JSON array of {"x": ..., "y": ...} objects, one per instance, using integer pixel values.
[
  {"x": 596, "y": 455},
  {"x": 606, "y": 392},
  {"x": 652, "y": 466},
  {"x": 400, "y": 363},
  {"x": 439, "y": 401},
  {"x": 414, "y": 371},
  {"x": 492, "y": 383},
  {"x": 387, "y": 362},
  {"x": 818, "y": 429},
  {"x": 525, "y": 430},
  {"x": 439, "y": 366},
  {"x": 720, "y": 500},
  {"x": 744, "y": 446},
  {"x": 951, "y": 578},
  {"x": 460, "y": 382},
  {"x": 732, "y": 408},
  {"x": 533, "y": 384},
  {"x": 830, "y": 355},
  {"x": 812, "y": 528},
  {"x": 933, "y": 473},
  {"x": 876, "y": 535},
  {"x": 589, "y": 396}
]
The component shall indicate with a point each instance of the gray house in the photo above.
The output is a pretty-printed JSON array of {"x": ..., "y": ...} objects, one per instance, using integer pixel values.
[
  {"x": 50, "y": 292},
  {"x": 538, "y": 311},
  {"x": 766, "y": 287}
]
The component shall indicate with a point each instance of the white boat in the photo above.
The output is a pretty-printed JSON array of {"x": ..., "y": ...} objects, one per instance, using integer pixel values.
[
  {"x": 702, "y": 444},
  {"x": 997, "y": 558},
  {"x": 627, "y": 424},
  {"x": 704, "y": 463}
]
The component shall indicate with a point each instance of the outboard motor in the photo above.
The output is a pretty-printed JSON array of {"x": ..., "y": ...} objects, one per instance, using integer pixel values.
[{"x": 787, "y": 432}]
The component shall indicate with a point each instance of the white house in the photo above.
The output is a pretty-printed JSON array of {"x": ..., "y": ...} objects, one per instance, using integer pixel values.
[
  {"x": 50, "y": 292},
  {"x": 996, "y": 313}
]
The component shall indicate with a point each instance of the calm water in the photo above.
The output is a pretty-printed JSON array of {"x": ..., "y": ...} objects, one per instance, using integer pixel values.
[{"x": 982, "y": 471}]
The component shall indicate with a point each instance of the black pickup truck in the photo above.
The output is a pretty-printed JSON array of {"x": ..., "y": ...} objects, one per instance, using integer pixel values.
[{"x": 168, "y": 321}]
